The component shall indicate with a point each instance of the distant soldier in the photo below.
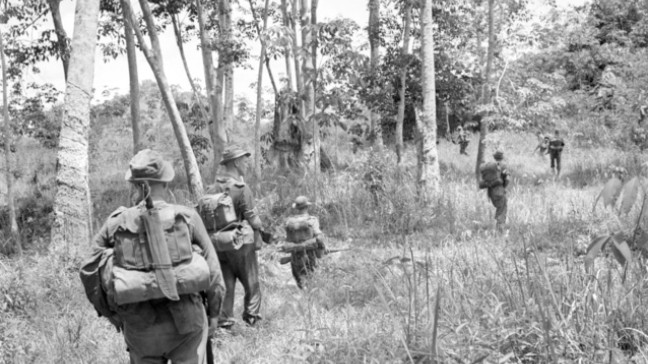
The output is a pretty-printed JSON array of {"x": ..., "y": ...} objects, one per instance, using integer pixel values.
[
  {"x": 462, "y": 139},
  {"x": 305, "y": 240},
  {"x": 495, "y": 177},
  {"x": 157, "y": 261},
  {"x": 556, "y": 146},
  {"x": 238, "y": 256},
  {"x": 639, "y": 134},
  {"x": 543, "y": 145}
]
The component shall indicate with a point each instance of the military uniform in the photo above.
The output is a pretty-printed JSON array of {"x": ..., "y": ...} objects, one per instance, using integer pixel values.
[
  {"x": 303, "y": 263},
  {"x": 497, "y": 194},
  {"x": 463, "y": 140},
  {"x": 240, "y": 264},
  {"x": 161, "y": 329},
  {"x": 556, "y": 146}
]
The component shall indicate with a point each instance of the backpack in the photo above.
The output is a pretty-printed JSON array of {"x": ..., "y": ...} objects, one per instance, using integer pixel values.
[
  {"x": 217, "y": 211},
  {"x": 298, "y": 230},
  {"x": 132, "y": 273},
  {"x": 557, "y": 145},
  {"x": 491, "y": 175},
  {"x": 91, "y": 273}
]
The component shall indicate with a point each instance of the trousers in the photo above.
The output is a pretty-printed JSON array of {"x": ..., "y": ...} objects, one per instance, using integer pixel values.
[{"x": 241, "y": 264}]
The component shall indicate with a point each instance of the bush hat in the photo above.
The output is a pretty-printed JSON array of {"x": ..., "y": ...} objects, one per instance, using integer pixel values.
[
  {"x": 233, "y": 152},
  {"x": 301, "y": 202},
  {"x": 499, "y": 155},
  {"x": 149, "y": 165}
]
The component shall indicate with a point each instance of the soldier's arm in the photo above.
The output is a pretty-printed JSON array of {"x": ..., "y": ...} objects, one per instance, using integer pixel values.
[
  {"x": 319, "y": 236},
  {"x": 216, "y": 290},
  {"x": 101, "y": 240},
  {"x": 247, "y": 207}
]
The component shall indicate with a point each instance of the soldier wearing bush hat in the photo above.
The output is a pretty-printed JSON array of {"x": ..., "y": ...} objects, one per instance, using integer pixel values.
[
  {"x": 241, "y": 264},
  {"x": 165, "y": 321}
]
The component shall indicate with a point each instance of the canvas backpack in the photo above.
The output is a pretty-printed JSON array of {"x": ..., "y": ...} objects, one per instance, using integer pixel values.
[
  {"x": 298, "y": 230},
  {"x": 131, "y": 274},
  {"x": 225, "y": 230},
  {"x": 491, "y": 175}
]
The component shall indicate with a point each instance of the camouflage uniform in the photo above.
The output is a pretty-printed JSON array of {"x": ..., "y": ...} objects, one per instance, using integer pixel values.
[
  {"x": 240, "y": 264},
  {"x": 497, "y": 195},
  {"x": 160, "y": 330},
  {"x": 303, "y": 263}
]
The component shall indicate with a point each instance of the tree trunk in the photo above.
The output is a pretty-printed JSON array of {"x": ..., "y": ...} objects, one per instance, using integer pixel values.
[
  {"x": 219, "y": 86},
  {"x": 403, "y": 80},
  {"x": 287, "y": 55},
  {"x": 259, "y": 101},
  {"x": 216, "y": 129},
  {"x": 428, "y": 161},
  {"x": 295, "y": 52},
  {"x": 317, "y": 145},
  {"x": 154, "y": 57},
  {"x": 178, "y": 35},
  {"x": 374, "y": 45},
  {"x": 61, "y": 35},
  {"x": 72, "y": 226},
  {"x": 13, "y": 224},
  {"x": 483, "y": 124},
  {"x": 133, "y": 77},
  {"x": 307, "y": 72},
  {"x": 228, "y": 70}
]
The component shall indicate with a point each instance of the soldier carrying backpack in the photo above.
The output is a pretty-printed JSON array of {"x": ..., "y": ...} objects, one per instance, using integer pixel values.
[
  {"x": 235, "y": 231},
  {"x": 305, "y": 241},
  {"x": 556, "y": 146},
  {"x": 495, "y": 178},
  {"x": 152, "y": 264}
]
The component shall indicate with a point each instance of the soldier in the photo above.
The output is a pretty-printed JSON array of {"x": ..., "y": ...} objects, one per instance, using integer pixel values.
[
  {"x": 543, "y": 145},
  {"x": 173, "y": 325},
  {"x": 556, "y": 146},
  {"x": 241, "y": 263},
  {"x": 463, "y": 140},
  {"x": 495, "y": 177},
  {"x": 305, "y": 240}
]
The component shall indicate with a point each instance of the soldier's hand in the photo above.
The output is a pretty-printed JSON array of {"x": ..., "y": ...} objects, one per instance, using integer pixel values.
[
  {"x": 213, "y": 325},
  {"x": 258, "y": 242}
]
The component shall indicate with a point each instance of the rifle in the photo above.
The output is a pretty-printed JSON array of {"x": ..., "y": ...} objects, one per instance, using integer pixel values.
[{"x": 288, "y": 258}]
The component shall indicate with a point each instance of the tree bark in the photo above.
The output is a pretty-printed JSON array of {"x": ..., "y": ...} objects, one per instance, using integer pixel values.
[
  {"x": 61, "y": 35},
  {"x": 304, "y": 19},
  {"x": 154, "y": 58},
  {"x": 259, "y": 101},
  {"x": 178, "y": 35},
  {"x": 219, "y": 86},
  {"x": 428, "y": 161},
  {"x": 403, "y": 80},
  {"x": 133, "y": 77},
  {"x": 287, "y": 55},
  {"x": 483, "y": 124},
  {"x": 72, "y": 226},
  {"x": 295, "y": 52},
  {"x": 13, "y": 224},
  {"x": 216, "y": 129},
  {"x": 317, "y": 145},
  {"x": 228, "y": 70},
  {"x": 374, "y": 45}
]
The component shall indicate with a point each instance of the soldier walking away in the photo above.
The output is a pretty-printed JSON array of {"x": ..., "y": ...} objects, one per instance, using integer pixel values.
[
  {"x": 556, "y": 146},
  {"x": 463, "y": 140},
  {"x": 305, "y": 241},
  {"x": 155, "y": 265},
  {"x": 495, "y": 177},
  {"x": 239, "y": 259}
]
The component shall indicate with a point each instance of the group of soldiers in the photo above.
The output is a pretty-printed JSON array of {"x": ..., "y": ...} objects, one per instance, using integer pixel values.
[{"x": 163, "y": 278}]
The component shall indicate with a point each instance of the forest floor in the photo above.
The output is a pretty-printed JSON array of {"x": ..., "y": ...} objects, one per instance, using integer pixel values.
[{"x": 421, "y": 285}]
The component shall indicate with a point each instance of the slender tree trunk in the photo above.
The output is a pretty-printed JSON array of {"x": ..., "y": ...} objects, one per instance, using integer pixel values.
[
  {"x": 317, "y": 145},
  {"x": 486, "y": 93},
  {"x": 13, "y": 224},
  {"x": 228, "y": 70},
  {"x": 61, "y": 35},
  {"x": 287, "y": 55},
  {"x": 428, "y": 161},
  {"x": 219, "y": 86},
  {"x": 216, "y": 129},
  {"x": 178, "y": 35},
  {"x": 295, "y": 51},
  {"x": 154, "y": 57},
  {"x": 304, "y": 19},
  {"x": 72, "y": 225},
  {"x": 403, "y": 80},
  {"x": 133, "y": 77},
  {"x": 259, "y": 101},
  {"x": 447, "y": 120},
  {"x": 374, "y": 45}
]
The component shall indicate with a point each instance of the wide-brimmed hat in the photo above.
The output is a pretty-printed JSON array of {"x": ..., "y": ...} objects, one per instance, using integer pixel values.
[
  {"x": 301, "y": 202},
  {"x": 233, "y": 152},
  {"x": 499, "y": 155},
  {"x": 149, "y": 165}
]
